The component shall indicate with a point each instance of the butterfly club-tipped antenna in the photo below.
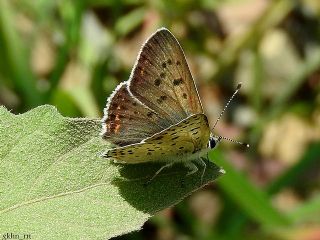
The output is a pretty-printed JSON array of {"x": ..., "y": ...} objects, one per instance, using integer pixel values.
[
  {"x": 231, "y": 140},
  {"x": 219, "y": 138}
]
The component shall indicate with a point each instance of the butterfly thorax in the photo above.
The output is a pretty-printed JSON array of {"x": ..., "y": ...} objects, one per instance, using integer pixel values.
[{"x": 183, "y": 141}]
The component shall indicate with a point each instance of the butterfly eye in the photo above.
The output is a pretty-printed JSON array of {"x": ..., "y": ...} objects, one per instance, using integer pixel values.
[{"x": 212, "y": 143}]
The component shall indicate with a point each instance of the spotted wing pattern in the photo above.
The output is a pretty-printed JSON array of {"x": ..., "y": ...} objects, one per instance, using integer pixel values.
[
  {"x": 159, "y": 93},
  {"x": 172, "y": 144},
  {"x": 161, "y": 79},
  {"x": 127, "y": 120}
]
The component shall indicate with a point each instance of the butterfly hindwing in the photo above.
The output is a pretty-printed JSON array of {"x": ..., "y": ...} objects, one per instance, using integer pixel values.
[
  {"x": 127, "y": 120},
  {"x": 172, "y": 144},
  {"x": 161, "y": 79}
]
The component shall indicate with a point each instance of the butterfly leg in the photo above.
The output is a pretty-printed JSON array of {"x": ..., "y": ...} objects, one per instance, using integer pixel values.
[
  {"x": 202, "y": 162},
  {"x": 157, "y": 172},
  {"x": 192, "y": 168}
]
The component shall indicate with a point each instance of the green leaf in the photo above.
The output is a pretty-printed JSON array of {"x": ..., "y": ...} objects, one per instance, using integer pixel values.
[
  {"x": 308, "y": 211},
  {"x": 252, "y": 200},
  {"x": 55, "y": 185},
  {"x": 131, "y": 20}
]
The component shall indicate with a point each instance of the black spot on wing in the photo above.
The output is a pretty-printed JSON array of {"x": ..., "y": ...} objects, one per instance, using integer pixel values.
[
  {"x": 184, "y": 95},
  {"x": 161, "y": 99},
  {"x": 157, "y": 82},
  {"x": 149, "y": 114},
  {"x": 112, "y": 117},
  {"x": 177, "y": 81}
]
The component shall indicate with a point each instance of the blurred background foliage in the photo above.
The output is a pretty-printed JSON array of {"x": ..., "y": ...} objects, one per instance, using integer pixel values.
[{"x": 72, "y": 54}]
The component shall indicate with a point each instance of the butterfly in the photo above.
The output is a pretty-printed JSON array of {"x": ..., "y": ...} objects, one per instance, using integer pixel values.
[{"x": 157, "y": 115}]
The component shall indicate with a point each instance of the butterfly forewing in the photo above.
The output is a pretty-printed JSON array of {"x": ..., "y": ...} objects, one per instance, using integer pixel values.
[
  {"x": 172, "y": 144},
  {"x": 161, "y": 79},
  {"x": 127, "y": 120}
]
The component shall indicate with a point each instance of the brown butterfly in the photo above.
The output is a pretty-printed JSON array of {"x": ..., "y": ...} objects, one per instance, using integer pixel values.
[{"x": 157, "y": 114}]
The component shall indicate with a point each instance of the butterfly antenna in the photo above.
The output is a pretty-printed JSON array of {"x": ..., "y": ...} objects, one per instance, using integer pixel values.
[
  {"x": 224, "y": 109},
  {"x": 226, "y": 106},
  {"x": 234, "y": 141}
]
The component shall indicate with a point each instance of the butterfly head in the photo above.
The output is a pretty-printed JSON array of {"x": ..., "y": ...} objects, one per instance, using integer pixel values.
[{"x": 214, "y": 141}]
